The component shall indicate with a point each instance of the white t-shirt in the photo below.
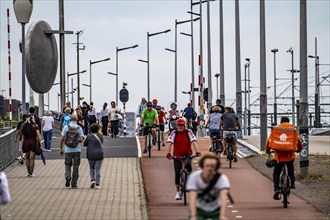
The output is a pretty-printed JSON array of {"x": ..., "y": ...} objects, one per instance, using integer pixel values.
[
  {"x": 112, "y": 112},
  {"x": 211, "y": 201},
  {"x": 48, "y": 123}
]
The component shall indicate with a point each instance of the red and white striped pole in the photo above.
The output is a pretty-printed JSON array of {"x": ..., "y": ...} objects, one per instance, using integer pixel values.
[{"x": 9, "y": 72}]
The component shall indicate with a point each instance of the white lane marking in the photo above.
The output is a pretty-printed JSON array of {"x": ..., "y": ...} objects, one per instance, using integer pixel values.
[
  {"x": 234, "y": 211},
  {"x": 239, "y": 216},
  {"x": 138, "y": 146},
  {"x": 230, "y": 206}
]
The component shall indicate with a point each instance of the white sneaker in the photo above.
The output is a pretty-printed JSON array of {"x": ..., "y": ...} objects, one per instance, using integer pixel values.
[
  {"x": 97, "y": 187},
  {"x": 93, "y": 184},
  {"x": 177, "y": 196}
]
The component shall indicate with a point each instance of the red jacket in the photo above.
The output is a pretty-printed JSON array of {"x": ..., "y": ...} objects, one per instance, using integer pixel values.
[{"x": 284, "y": 156}]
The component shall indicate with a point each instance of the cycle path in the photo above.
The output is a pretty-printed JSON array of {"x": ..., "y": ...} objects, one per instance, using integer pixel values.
[{"x": 251, "y": 190}]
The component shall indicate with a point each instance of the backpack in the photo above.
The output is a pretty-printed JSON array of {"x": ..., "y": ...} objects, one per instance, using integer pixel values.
[
  {"x": 66, "y": 119},
  {"x": 283, "y": 139},
  {"x": 72, "y": 137},
  {"x": 176, "y": 133},
  {"x": 194, "y": 115}
]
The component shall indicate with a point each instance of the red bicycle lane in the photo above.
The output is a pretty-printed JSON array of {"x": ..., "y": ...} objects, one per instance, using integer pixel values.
[{"x": 251, "y": 191}]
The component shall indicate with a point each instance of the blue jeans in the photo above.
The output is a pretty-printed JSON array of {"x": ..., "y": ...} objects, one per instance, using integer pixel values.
[
  {"x": 47, "y": 138},
  {"x": 72, "y": 159},
  {"x": 95, "y": 170}
]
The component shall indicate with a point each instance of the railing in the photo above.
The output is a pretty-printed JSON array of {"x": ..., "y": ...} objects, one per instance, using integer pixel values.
[{"x": 8, "y": 149}]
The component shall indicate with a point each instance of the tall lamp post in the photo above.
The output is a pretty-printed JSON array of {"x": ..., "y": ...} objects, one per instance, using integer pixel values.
[
  {"x": 189, "y": 93},
  {"x": 245, "y": 98},
  {"x": 217, "y": 76},
  {"x": 176, "y": 56},
  {"x": 117, "y": 50},
  {"x": 90, "y": 74},
  {"x": 275, "y": 102},
  {"x": 248, "y": 99},
  {"x": 78, "y": 33},
  {"x": 23, "y": 11},
  {"x": 78, "y": 86},
  {"x": 148, "y": 57}
]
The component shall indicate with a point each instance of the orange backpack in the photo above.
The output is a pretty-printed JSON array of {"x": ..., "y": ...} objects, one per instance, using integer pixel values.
[{"x": 283, "y": 139}]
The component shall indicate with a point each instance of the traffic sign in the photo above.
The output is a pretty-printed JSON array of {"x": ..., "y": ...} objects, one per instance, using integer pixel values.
[{"x": 123, "y": 95}]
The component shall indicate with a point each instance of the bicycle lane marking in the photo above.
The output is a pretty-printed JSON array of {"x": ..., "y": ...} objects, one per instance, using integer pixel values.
[{"x": 138, "y": 146}]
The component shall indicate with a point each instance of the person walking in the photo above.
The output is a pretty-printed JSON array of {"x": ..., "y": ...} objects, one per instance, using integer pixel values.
[
  {"x": 47, "y": 125},
  {"x": 85, "y": 109},
  {"x": 104, "y": 119},
  {"x": 92, "y": 113},
  {"x": 81, "y": 120},
  {"x": 208, "y": 190},
  {"x": 31, "y": 138},
  {"x": 35, "y": 119},
  {"x": 114, "y": 117},
  {"x": 71, "y": 137},
  {"x": 286, "y": 154},
  {"x": 94, "y": 153},
  {"x": 65, "y": 118}
]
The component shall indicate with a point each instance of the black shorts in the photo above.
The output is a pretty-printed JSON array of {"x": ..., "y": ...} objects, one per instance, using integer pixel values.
[
  {"x": 146, "y": 130},
  {"x": 162, "y": 127}
]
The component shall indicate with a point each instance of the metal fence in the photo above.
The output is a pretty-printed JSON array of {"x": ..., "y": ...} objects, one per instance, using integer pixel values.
[{"x": 8, "y": 149}]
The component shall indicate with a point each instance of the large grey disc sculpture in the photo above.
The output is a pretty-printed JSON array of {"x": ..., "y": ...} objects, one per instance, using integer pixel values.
[{"x": 41, "y": 57}]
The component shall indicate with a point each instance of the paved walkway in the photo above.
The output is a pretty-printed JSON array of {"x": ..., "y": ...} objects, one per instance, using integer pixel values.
[{"x": 45, "y": 197}]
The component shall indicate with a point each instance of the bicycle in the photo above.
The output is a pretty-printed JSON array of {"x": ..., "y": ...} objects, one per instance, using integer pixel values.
[
  {"x": 148, "y": 139},
  {"x": 216, "y": 146},
  {"x": 159, "y": 136},
  {"x": 230, "y": 148},
  {"x": 285, "y": 185},
  {"x": 183, "y": 176}
]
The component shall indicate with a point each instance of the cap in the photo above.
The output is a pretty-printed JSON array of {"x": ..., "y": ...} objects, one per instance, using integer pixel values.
[{"x": 180, "y": 121}]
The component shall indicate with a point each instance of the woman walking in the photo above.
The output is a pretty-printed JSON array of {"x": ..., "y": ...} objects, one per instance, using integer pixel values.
[
  {"x": 47, "y": 125},
  {"x": 104, "y": 119},
  {"x": 94, "y": 153},
  {"x": 31, "y": 137},
  {"x": 114, "y": 117}
]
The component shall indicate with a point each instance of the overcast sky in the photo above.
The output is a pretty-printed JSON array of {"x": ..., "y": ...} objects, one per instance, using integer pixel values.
[{"x": 109, "y": 24}]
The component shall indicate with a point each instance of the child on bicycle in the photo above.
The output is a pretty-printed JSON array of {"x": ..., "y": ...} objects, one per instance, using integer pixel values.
[
  {"x": 284, "y": 157},
  {"x": 214, "y": 125},
  {"x": 182, "y": 141}
]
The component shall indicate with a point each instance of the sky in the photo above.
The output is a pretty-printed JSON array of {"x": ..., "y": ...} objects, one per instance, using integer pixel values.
[{"x": 109, "y": 24}]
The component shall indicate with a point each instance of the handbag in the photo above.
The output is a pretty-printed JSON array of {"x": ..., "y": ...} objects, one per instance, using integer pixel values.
[{"x": 37, "y": 149}]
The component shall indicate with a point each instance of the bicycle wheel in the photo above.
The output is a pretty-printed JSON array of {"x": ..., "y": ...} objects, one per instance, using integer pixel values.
[
  {"x": 149, "y": 144},
  {"x": 285, "y": 197},
  {"x": 183, "y": 187},
  {"x": 158, "y": 139}
]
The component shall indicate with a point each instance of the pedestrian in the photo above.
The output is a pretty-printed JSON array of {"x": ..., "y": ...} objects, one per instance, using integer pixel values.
[
  {"x": 36, "y": 120},
  {"x": 81, "y": 121},
  {"x": 4, "y": 190},
  {"x": 85, "y": 109},
  {"x": 104, "y": 119},
  {"x": 114, "y": 117},
  {"x": 47, "y": 125},
  {"x": 31, "y": 139},
  {"x": 68, "y": 105},
  {"x": 65, "y": 118},
  {"x": 94, "y": 153},
  {"x": 208, "y": 190},
  {"x": 71, "y": 137},
  {"x": 92, "y": 113}
]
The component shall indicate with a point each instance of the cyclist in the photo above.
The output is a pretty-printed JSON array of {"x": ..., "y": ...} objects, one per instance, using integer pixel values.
[
  {"x": 182, "y": 141},
  {"x": 229, "y": 124},
  {"x": 218, "y": 103},
  {"x": 162, "y": 120},
  {"x": 214, "y": 123},
  {"x": 149, "y": 116},
  {"x": 154, "y": 103},
  {"x": 208, "y": 189},
  {"x": 284, "y": 157},
  {"x": 141, "y": 107},
  {"x": 188, "y": 114}
]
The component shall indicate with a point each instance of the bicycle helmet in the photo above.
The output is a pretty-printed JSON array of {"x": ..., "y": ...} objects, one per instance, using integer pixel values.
[
  {"x": 181, "y": 121},
  {"x": 149, "y": 104},
  {"x": 155, "y": 101},
  {"x": 158, "y": 107}
]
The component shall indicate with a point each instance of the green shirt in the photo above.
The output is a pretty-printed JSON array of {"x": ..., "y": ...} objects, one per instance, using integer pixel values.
[{"x": 149, "y": 117}]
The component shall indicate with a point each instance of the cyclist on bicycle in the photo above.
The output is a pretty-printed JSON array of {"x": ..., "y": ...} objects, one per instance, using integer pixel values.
[
  {"x": 182, "y": 141},
  {"x": 229, "y": 124},
  {"x": 141, "y": 107},
  {"x": 154, "y": 103},
  {"x": 162, "y": 120},
  {"x": 208, "y": 189},
  {"x": 284, "y": 157},
  {"x": 149, "y": 116},
  {"x": 218, "y": 103},
  {"x": 214, "y": 124},
  {"x": 188, "y": 114}
]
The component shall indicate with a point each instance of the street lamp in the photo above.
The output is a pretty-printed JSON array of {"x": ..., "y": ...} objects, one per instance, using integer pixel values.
[
  {"x": 78, "y": 33},
  {"x": 23, "y": 11},
  {"x": 275, "y": 103},
  {"x": 248, "y": 99},
  {"x": 176, "y": 55},
  {"x": 188, "y": 93},
  {"x": 115, "y": 74},
  {"x": 117, "y": 50},
  {"x": 90, "y": 74},
  {"x": 78, "y": 86},
  {"x": 245, "y": 97},
  {"x": 217, "y": 76},
  {"x": 290, "y": 50},
  {"x": 145, "y": 61},
  {"x": 148, "y": 57}
]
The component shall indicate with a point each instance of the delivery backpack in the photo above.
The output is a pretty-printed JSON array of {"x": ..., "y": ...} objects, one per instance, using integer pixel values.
[
  {"x": 72, "y": 137},
  {"x": 283, "y": 139}
]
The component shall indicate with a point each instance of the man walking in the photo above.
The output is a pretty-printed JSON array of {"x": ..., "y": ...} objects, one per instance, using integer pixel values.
[{"x": 71, "y": 137}]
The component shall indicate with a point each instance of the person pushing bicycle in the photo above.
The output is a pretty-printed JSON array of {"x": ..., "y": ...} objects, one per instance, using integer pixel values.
[
  {"x": 286, "y": 155},
  {"x": 183, "y": 142}
]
